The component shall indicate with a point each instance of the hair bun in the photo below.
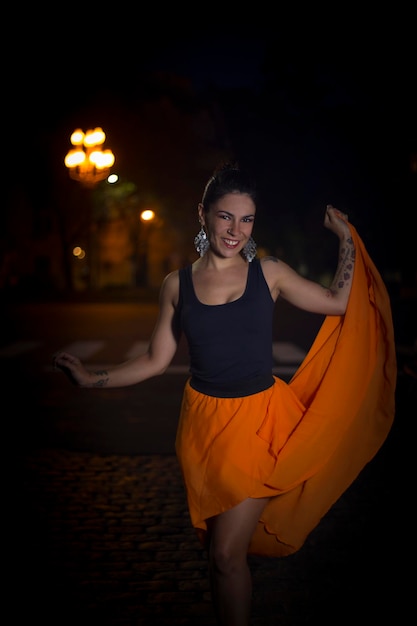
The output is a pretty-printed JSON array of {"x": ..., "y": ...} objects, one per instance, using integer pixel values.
[{"x": 227, "y": 166}]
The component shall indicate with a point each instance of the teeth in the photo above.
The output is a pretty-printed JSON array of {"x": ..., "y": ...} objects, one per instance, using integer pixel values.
[{"x": 231, "y": 243}]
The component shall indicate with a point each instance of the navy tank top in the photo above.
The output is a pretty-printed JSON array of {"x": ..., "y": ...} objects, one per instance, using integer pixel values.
[{"x": 230, "y": 345}]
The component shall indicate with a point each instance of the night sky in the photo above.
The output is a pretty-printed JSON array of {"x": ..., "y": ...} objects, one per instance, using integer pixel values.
[{"x": 321, "y": 106}]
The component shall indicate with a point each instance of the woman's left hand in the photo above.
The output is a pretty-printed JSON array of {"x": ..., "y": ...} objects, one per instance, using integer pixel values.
[{"x": 336, "y": 221}]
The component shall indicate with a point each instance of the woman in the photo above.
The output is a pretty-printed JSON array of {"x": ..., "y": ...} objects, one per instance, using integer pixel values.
[{"x": 263, "y": 460}]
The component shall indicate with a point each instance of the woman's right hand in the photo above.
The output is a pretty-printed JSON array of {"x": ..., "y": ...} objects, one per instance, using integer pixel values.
[{"x": 73, "y": 369}]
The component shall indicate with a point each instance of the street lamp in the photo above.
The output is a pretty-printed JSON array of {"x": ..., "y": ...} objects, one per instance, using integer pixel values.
[
  {"x": 87, "y": 162},
  {"x": 147, "y": 216}
]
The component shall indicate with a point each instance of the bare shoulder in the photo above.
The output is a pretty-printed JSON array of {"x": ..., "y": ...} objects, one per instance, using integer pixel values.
[
  {"x": 276, "y": 273},
  {"x": 171, "y": 279},
  {"x": 273, "y": 265},
  {"x": 170, "y": 288},
  {"x": 266, "y": 260},
  {"x": 270, "y": 265},
  {"x": 270, "y": 269}
]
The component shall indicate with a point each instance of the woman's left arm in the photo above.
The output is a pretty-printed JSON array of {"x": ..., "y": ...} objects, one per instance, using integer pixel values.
[{"x": 310, "y": 295}]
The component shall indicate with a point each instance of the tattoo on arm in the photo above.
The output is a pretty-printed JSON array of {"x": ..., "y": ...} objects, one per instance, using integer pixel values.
[
  {"x": 103, "y": 381},
  {"x": 345, "y": 266}
]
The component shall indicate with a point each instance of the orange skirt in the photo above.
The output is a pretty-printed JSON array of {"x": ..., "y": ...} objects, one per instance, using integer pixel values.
[{"x": 300, "y": 443}]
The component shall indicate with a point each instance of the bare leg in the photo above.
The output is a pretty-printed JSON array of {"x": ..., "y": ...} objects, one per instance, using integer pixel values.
[{"x": 230, "y": 577}]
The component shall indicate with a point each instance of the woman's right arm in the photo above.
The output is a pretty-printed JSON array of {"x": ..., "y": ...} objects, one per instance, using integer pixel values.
[{"x": 162, "y": 347}]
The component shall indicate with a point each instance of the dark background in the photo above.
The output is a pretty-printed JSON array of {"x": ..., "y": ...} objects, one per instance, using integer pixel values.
[{"x": 319, "y": 103}]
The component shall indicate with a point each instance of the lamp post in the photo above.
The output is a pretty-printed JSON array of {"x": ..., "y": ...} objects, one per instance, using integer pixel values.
[
  {"x": 147, "y": 216},
  {"x": 87, "y": 162}
]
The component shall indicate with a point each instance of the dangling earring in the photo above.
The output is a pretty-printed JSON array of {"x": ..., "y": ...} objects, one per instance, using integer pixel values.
[
  {"x": 201, "y": 242},
  {"x": 249, "y": 251}
]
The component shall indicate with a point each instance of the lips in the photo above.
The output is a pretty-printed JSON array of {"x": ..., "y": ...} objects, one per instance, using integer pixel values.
[{"x": 231, "y": 243}]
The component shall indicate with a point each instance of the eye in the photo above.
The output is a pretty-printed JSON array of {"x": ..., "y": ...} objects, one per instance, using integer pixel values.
[
  {"x": 224, "y": 216},
  {"x": 247, "y": 219}
]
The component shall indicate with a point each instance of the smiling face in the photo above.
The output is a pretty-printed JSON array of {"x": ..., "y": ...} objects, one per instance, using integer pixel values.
[{"x": 229, "y": 223}]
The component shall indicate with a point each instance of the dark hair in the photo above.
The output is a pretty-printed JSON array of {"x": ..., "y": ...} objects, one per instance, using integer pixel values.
[{"x": 228, "y": 178}]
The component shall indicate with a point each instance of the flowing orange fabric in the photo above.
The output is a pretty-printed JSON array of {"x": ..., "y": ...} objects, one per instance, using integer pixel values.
[{"x": 300, "y": 443}]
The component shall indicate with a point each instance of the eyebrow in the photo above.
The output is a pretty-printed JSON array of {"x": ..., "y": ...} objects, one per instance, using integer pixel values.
[{"x": 233, "y": 215}]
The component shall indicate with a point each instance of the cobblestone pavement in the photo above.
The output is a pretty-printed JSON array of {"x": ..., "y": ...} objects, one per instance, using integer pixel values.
[{"x": 105, "y": 539}]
